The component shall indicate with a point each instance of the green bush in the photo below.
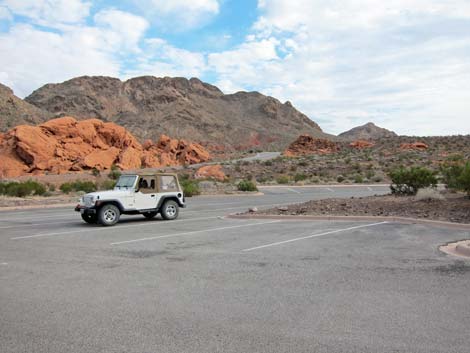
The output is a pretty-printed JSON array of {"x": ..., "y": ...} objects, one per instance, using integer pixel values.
[
  {"x": 300, "y": 177},
  {"x": 115, "y": 172},
  {"x": 283, "y": 179},
  {"x": 464, "y": 179},
  {"x": 78, "y": 185},
  {"x": 22, "y": 189},
  {"x": 451, "y": 170},
  {"x": 95, "y": 172},
  {"x": 340, "y": 178},
  {"x": 190, "y": 187},
  {"x": 247, "y": 185},
  {"x": 358, "y": 179},
  {"x": 408, "y": 181}
]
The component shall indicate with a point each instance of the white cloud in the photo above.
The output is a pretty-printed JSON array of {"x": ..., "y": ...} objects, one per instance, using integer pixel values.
[
  {"x": 403, "y": 64},
  {"x": 5, "y": 14},
  {"x": 163, "y": 59},
  {"x": 179, "y": 15},
  {"x": 124, "y": 30},
  {"x": 36, "y": 56},
  {"x": 50, "y": 12}
]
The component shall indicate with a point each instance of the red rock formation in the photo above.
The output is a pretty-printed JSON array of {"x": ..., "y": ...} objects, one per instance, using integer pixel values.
[
  {"x": 360, "y": 144},
  {"x": 306, "y": 145},
  {"x": 64, "y": 144},
  {"x": 414, "y": 146},
  {"x": 210, "y": 172}
]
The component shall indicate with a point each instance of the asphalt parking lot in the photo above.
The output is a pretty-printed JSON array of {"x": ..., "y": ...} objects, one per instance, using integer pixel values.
[{"x": 206, "y": 283}]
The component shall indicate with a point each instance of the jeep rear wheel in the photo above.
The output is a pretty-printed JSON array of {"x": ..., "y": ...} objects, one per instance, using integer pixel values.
[
  {"x": 169, "y": 210},
  {"x": 150, "y": 215},
  {"x": 89, "y": 218},
  {"x": 108, "y": 215}
]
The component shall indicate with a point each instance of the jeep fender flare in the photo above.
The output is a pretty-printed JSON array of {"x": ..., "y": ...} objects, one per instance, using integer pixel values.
[
  {"x": 169, "y": 197},
  {"x": 116, "y": 203}
]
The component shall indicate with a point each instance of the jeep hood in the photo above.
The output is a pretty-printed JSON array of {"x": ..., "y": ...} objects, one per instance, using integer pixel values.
[{"x": 110, "y": 194}]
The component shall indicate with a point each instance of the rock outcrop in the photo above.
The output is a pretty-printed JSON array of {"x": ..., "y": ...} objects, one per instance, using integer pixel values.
[
  {"x": 210, "y": 172},
  {"x": 414, "y": 146},
  {"x": 149, "y": 107},
  {"x": 360, "y": 144},
  {"x": 369, "y": 131},
  {"x": 65, "y": 144},
  {"x": 307, "y": 145}
]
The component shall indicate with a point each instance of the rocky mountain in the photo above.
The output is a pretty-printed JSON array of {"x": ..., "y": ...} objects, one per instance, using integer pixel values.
[
  {"x": 15, "y": 111},
  {"x": 369, "y": 131},
  {"x": 149, "y": 106}
]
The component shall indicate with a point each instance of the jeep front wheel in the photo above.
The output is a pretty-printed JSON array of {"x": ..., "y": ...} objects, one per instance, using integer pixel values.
[
  {"x": 89, "y": 218},
  {"x": 108, "y": 215},
  {"x": 169, "y": 210}
]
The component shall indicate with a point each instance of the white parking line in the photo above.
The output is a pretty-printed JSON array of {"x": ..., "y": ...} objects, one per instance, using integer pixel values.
[
  {"x": 193, "y": 232},
  {"x": 369, "y": 188},
  {"x": 330, "y": 190},
  {"x": 95, "y": 229},
  {"x": 297, "y": 192},
  {"x": 32, "y": 225},
  {"x": 313, "y": 236}
]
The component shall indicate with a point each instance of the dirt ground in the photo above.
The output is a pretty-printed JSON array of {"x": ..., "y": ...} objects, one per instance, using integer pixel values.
[{"x": 452, "y": 208}]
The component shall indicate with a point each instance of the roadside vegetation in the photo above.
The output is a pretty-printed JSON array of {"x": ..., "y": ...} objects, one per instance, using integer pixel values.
[
  {"x": 22, "y": 189},
  {"x": 247, "y": 185},
  {"x": 190, "y": 186}
]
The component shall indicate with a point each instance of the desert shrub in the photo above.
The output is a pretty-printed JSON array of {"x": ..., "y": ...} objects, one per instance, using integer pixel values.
[
  {"x": 246, "y": 185},
  {"x": 190, "y": 187},
  {"x": 377, "y": 179},
  {"x": 268, "y": 163},
  {"x": 463, "y": 180},
  {"x": 107, "y": 185},
  {"x": 408, "y": 181},
  {"x": 303, "y": 163},
  {"x": 115, "y": 172},
  {"x": 370, "y": 174},
  {"x": 95, "y": 172},
  {"x": 358, "y": 179},
  {"x": 22, "y": 189},
  {"x": 451, "y": 170},
  {"x": 283, "y": 179},
  {"x": 428, "y": 194},
  {"x": 300, "y": 177},
  {"x": 78, "y": 185},
  {"x": 340, "y": 178}
]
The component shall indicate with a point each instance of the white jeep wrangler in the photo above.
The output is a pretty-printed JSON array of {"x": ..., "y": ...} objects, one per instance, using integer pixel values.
[{"x": 146, "y": 194}]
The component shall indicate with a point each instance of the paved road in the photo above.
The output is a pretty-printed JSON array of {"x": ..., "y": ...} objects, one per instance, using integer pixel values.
[
  {"x": 262, "y": 156},
  {"x": 205, "y": 283}
]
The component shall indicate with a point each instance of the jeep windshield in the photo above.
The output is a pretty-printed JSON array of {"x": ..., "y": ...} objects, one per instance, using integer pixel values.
[{"x": 126, "y": 181}]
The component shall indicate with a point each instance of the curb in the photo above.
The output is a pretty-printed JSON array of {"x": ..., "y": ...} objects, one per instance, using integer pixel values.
[
  {"x": 460, "y": 249},
  {"x": 391, "y": 219}
]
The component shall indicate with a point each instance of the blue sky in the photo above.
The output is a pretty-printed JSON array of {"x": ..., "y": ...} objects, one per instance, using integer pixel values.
[{"x": 404, "y": 64}]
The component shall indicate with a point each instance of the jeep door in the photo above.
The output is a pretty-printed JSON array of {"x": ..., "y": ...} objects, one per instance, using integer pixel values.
[{"x": 146, "y": 193}]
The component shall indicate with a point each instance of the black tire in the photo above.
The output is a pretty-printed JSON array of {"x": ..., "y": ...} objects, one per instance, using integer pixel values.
[
  {"x": 108, "y": 215},
  {"x": 150, "y": 215},
  {"x": 169, "y": 210},
  {"x": 89, "y": 218}
]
